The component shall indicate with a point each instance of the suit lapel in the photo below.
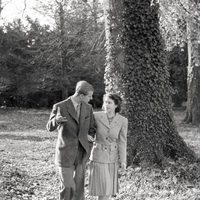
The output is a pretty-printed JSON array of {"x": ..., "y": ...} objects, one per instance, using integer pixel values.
[
  {"x": 71, "y": 110},
  {"x": 83, "y": 111}
]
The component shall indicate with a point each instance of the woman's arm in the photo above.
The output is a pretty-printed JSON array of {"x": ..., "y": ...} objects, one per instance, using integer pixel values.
[{"x": 123, "y": 142}]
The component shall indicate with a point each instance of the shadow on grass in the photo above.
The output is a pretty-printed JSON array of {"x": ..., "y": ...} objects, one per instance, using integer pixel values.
[{"x": 29, "y": 138}]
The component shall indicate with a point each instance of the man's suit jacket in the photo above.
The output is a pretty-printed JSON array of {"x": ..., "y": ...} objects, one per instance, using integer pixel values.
[
  {"x": 111, "y": 139},
  {"x": 72, "y": 132}
]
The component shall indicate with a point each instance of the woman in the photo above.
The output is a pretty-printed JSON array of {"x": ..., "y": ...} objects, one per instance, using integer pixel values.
[{"x": 109, "y": 149}]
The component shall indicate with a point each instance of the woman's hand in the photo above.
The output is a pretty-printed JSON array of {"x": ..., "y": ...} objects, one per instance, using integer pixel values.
[
  {"x": 90, "y": 138},
  {"x": 123, "y": 166}
]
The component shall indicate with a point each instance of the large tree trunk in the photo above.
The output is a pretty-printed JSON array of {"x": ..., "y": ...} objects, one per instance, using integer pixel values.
[
  {"x": 115, "y": 54},
  {"x": 193, "y": 77},
  {"x": 136, "y": 69}
]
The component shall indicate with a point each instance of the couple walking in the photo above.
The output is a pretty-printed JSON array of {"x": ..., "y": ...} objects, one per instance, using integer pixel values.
[{"x": 82, "y": 135}]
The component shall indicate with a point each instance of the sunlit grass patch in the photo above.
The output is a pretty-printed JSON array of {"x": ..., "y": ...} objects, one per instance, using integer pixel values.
[
  {"x": 27, "y": 170},
  {"x": 177, "y": 181}
]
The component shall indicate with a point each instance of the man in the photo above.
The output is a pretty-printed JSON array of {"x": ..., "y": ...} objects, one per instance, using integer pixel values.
[{"x": 74, "y": 120}]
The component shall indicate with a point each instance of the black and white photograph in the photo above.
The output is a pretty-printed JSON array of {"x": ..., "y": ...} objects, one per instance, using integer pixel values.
[{"x": 99, "y": 100}]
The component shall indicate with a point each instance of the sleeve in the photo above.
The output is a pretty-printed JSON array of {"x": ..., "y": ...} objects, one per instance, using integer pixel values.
[
  {"x": 92, "y": 129},
  {"x": 52, "y": 124},
  {"x": 123, "y": 141}
]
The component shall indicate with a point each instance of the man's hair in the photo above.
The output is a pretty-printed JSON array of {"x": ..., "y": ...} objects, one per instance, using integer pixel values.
[{"x": 83, "y": 87}]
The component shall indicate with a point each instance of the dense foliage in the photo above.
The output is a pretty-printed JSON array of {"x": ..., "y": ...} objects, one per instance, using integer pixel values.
[
  {"x": 31, "y": 60},
  {"x": 31, "y": 68}
]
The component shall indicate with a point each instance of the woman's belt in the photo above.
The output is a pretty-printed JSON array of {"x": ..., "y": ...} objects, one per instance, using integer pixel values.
[{"x": 109, "y": 147}]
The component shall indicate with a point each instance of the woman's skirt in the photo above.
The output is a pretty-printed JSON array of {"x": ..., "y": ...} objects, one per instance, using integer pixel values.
[{"x": 103, "y": 179}]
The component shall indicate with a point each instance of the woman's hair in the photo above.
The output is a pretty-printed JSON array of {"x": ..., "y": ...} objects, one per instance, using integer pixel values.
[{"x": 117, "y": 100}]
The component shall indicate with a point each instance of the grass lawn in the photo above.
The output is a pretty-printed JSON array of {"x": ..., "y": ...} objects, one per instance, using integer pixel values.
[{"x": 27, "y": 170}]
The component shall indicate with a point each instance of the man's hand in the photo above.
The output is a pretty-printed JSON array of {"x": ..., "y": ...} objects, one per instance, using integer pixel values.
[{"x": 59, "y": 117}]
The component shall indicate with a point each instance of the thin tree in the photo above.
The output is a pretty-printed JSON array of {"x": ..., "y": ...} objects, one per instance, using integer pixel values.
[
  {"x": 0, "y": 7},
  {"x": 63, "y": 50},
  {"x": 136, "y": 69},
  {"x": 180, "y": 20},
  {"x": 193, "y": 74}
]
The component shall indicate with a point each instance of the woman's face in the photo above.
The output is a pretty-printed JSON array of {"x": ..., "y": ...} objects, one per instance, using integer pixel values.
[{"x": 109, "y": 105}]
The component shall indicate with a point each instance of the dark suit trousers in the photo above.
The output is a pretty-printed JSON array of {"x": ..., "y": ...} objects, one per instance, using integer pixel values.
[{"x": 72, "y": 179}]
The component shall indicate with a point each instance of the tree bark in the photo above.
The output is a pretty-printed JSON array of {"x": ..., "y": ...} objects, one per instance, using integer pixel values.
[
  {"x": 115, "y": 53},
  {"x": 193, "y": 75},
  {"x": 136, "y": 70}
]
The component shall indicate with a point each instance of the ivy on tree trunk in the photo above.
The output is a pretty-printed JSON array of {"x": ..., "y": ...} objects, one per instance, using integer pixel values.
[{"x": 136, "y": 69}]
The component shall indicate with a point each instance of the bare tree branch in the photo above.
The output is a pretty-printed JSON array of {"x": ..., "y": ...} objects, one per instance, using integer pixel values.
[{"x": 24, "y": 9}]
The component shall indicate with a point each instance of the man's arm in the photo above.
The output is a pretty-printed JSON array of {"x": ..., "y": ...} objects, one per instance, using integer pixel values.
[
  {"x": 92, "y": 129},
  {"x": 52, "y": 123}
]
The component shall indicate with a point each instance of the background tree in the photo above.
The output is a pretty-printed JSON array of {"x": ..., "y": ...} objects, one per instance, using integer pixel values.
[
  {"x": 63, "y": 49},
  {"x": 0, "y": 7},
  {"x": 173, "y": 29},
  {"x": 14, "y": 54},
  {"x": 177, "y": 62},
  {"x": 39, "y": 83},
  {"x": 193, "y": 76},
  {"x": 3, "y": 3},
  {"x": 180, "y": 20},
  {"x": 142, "y": 78},
  {"x": 81, "y": 30}
]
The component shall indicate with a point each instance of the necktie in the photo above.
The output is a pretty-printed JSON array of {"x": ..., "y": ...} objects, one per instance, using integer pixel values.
[{"x": 78, "y": 110}]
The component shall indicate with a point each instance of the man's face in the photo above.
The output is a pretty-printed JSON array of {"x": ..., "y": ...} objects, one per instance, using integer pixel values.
[{"x": 88, "y": 97}]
